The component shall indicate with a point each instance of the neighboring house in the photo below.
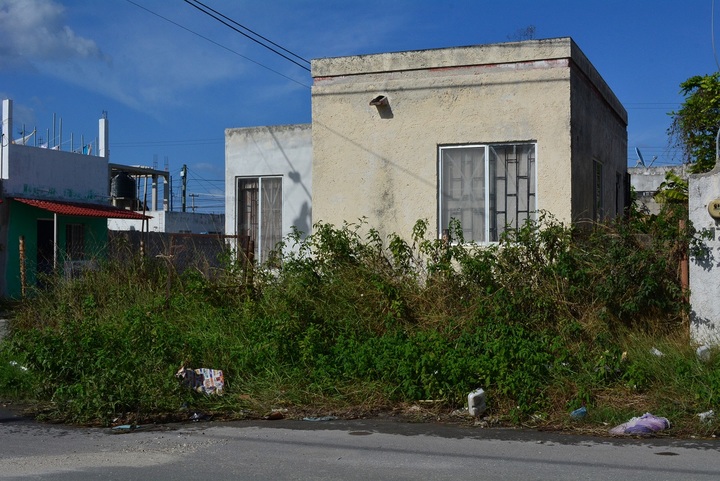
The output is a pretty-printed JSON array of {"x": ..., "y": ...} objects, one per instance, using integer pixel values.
[
  {"x": 268, "y": 177},
  {"x": 54, "y": 207},
  {"x": 485, "y": 134},
  {"x": 646, "y": 182},
  {"x": 139, "y": 188}
]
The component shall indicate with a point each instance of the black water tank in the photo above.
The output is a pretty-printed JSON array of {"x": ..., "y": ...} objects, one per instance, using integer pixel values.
[{"x": 122, "y": 186}]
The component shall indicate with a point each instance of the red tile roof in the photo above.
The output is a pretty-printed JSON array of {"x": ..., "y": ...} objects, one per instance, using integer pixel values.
[{"x": 80, "y": 209}]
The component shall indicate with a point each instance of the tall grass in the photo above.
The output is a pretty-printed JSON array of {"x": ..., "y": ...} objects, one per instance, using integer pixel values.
[{"x": 548, "y": 319}]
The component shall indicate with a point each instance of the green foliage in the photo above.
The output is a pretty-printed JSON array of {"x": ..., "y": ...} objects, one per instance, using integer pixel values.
[
  {"x": 674, "y": 189},
  {"x": 343, "y": 316},
  {"x": 16, "y": 380},
  {"x": 695, "y": 125}
]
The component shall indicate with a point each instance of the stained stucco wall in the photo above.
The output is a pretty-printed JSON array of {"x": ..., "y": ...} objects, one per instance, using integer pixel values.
[
  {"x": 704, "y": 266},
  {"x": 382, "y": 163},
  {"x": 283, "y": 150},
  {"x": 36, "y": 172}
]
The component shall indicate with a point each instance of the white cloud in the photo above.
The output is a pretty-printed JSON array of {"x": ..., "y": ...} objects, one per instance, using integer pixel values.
[
  {"x": 33, "y": 31},
  {"x": 145, "y": 57},
  {"x": 145, "y": 63}
]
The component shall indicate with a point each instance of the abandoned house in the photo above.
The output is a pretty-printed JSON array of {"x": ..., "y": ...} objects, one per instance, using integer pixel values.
[{"x": 485, "y": 134}]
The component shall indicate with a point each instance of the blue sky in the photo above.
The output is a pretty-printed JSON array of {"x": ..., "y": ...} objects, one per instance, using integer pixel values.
[{"x": 171, "y": 79}]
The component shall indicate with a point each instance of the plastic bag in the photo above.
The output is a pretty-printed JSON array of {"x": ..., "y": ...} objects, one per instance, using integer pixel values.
[{"x": 645, "y": 424}]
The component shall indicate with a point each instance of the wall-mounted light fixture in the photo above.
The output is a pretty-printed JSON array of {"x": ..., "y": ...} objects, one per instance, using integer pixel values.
[{"x": 380, "y": 101}]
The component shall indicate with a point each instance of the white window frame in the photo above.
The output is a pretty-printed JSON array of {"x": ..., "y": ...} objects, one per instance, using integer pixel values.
[{"x": 489, "y": 204}]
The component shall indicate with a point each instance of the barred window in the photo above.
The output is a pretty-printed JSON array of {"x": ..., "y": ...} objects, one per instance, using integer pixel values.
[
  {"x": 259, "y": 211},
  {"x": 487, "y": 188}
]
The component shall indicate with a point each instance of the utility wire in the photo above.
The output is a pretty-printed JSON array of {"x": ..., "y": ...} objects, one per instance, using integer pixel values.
[
  {"x": 218, "y": 44},
  {"x": 248, "y": 36},
  {"x": 253, "y": 32}
]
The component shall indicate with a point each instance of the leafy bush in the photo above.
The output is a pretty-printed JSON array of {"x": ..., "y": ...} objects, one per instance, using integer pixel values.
[{"x": 540, "y": 320}]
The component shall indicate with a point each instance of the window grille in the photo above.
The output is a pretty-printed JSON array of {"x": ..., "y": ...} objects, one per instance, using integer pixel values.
[{"x": 487, "y": 188}]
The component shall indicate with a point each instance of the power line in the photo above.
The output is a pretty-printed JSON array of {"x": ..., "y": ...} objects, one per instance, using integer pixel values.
[
  {"x": 218, "y": 44},
  {"x": 253, "y": 32},
  {"x": 206, "y": 12}
]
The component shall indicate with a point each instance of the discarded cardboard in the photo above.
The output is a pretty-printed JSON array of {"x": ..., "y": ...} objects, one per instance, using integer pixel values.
[{"x": 208, "y": 381}]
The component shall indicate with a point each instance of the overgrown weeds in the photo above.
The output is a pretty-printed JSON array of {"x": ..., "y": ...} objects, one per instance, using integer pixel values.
[{"x": 548, "y": 319}]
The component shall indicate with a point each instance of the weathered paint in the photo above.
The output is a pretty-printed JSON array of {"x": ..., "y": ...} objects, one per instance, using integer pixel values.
[
  {"x": 703, "y": 189},
  {"x": 382, "y": 164},
  {"x": 23, "y": 223},
  {"x": 43, "y": 173}
]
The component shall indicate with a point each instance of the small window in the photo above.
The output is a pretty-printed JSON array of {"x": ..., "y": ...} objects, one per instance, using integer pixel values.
[{"x": 487, "y": 188}]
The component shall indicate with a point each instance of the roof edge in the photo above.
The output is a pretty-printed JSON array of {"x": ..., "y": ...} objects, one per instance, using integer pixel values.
[{"x": 496, "y": 53}]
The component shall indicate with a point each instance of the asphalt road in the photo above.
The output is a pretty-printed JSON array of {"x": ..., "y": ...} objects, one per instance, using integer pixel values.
[{"x": 333, "y": 450}]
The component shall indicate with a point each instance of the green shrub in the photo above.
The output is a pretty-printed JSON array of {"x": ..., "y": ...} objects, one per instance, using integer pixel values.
[{"x": 540, "y": 320}]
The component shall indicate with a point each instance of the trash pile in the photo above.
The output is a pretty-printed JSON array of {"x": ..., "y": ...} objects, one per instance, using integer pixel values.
[{"x": 208, "y": 381}]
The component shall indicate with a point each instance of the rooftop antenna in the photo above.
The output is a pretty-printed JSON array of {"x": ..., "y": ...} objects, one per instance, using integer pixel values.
[{"x": 641, "y": 161}]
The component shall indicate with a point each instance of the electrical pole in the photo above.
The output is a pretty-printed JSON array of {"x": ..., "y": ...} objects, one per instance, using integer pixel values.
[{"x": 183, "y": 174}]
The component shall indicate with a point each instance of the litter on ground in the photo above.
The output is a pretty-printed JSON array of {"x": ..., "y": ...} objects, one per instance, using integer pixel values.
[
  {"x": 643, "y": 425},
  {"x": 208, "y": 381}
]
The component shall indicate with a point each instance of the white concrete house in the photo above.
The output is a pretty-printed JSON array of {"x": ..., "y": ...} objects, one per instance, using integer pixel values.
[
  {"x": 268, "y": 179},
  {"x": 647, "y": 180}
]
